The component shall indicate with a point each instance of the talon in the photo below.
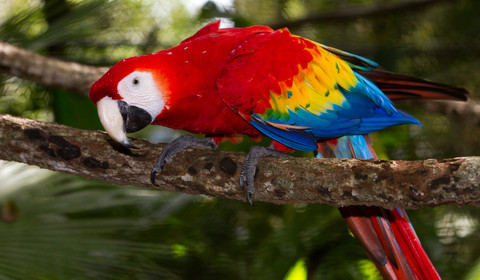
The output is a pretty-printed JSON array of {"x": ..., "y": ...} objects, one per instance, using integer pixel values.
[
  {"x": 247, "y": 176},
  {"x": 249, "y": 198},
  {"x": 176, "y": 146},
  {"x": 242, "y": 180},
  {"x": 152, "y": 177},
  {"x": 161, "y": 165},
  {"x": 157, "y": 168}
]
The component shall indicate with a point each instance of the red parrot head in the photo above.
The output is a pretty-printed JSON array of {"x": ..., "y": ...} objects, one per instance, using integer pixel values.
[{"x": 128, "y": 97}]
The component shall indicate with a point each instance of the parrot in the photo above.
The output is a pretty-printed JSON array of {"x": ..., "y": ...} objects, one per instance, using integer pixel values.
[{"x": 260, "y": 82}]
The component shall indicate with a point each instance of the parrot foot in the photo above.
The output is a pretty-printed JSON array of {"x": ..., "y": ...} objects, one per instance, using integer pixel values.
[
  {"x": 176, "y": 146},
  {"x": 247, "y": 175}
]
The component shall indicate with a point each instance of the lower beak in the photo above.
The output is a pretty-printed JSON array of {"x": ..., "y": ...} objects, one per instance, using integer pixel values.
[{"x": 118, "y": 118}]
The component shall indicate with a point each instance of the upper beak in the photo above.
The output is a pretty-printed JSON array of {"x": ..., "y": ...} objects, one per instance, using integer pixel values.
[{"x": 118, "y": 118}]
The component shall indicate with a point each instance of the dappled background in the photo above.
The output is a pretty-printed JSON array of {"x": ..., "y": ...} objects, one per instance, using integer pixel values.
[{"x": 55, "y": 226}]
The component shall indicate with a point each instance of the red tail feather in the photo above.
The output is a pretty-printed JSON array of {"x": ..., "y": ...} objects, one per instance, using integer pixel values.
[{"x": 390, "y": 241}]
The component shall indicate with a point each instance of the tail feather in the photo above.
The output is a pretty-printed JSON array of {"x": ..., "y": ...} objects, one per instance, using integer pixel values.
[
  {"x": 398, "y": 86},
  {"x": 404, "y": 228},
  {"x": 373, "y": 229},
  {"x": 387, "y": 235}
]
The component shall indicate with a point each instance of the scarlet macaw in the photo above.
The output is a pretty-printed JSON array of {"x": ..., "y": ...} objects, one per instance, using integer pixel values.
[{"x": 260, "y": 82}]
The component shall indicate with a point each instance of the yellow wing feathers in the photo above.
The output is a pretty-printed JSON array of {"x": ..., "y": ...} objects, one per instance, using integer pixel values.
[{"x": 316, "y": 87}]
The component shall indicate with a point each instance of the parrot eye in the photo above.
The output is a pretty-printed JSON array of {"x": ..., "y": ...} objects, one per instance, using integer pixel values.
[{"x": 136, "y": 81}]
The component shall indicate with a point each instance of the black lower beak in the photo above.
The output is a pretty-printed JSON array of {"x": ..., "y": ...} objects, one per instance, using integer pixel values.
[{"x": 134, "y": 118}]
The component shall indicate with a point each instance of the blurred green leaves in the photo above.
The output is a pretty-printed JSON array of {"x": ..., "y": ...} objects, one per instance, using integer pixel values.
[
  {"x": 56, "y": 226},
  {"x": 63, "y": 226}
]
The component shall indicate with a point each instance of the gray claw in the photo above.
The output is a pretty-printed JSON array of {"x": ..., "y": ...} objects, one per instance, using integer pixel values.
[
  {"x": 176, "y": 146},
  {"x": 247, "y": 175},
  {"x": 249, "y": 198},
  {"x": 152, "y": 177}
]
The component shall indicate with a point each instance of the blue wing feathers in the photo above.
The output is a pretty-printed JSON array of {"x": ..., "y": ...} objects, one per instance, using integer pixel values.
[
  {"x": 297, "y": 140},
  {"x": 368, "y": 89}
]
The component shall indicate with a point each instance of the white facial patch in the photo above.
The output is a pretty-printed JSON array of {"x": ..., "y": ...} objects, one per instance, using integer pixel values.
[{"x": 139, "y": 89}]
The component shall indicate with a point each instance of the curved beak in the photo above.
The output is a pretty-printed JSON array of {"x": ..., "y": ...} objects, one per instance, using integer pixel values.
[{"x": 118, "y": 118}]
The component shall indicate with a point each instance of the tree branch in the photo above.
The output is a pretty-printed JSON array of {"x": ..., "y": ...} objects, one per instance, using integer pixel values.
[
  {"x": 347, "y": 15},
  {"x": 338, "y": 182},
  {"x": 468, "y": 112},
  {"x": 48, "y": 71}
]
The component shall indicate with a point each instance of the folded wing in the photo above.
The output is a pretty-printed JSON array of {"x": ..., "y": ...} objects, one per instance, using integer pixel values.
[{"x": 298, "y": 92}]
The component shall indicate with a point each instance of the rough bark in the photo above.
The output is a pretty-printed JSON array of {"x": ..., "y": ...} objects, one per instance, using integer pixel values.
[{"x": 337, "y": 182}]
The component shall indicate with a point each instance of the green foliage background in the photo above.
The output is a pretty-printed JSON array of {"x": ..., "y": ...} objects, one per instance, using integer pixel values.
[{"x": 55, "y": 226}]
